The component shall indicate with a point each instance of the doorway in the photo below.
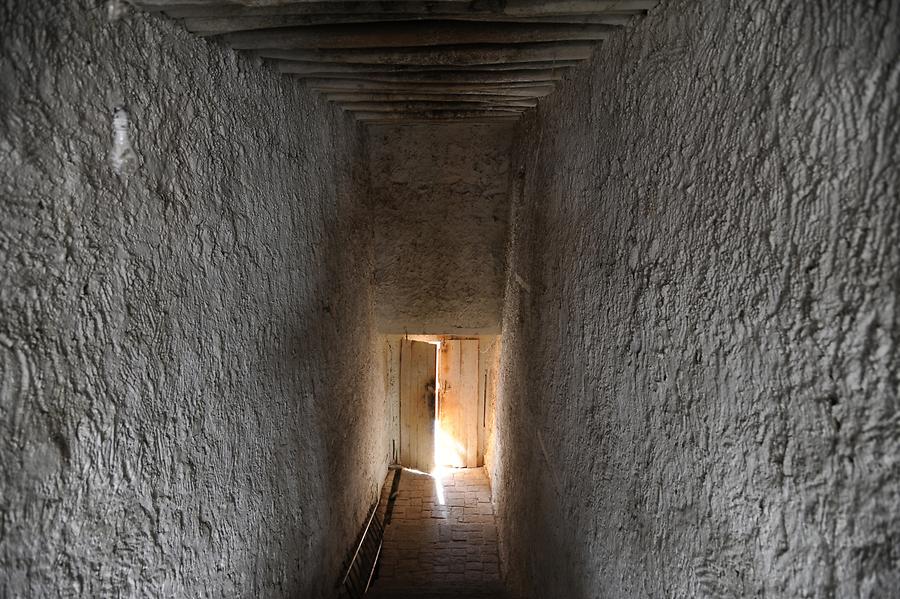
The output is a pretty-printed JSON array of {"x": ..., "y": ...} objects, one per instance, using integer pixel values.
[{"x": 443, "y": 388}]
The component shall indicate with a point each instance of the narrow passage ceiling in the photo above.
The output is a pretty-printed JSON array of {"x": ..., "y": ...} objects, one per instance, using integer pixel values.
[{"x": 398, "y": 61}]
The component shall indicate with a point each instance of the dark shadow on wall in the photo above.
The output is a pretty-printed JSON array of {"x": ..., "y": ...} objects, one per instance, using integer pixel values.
[
  {"x": 343, "y": 401},
  {"x": 530, "y": 485}
]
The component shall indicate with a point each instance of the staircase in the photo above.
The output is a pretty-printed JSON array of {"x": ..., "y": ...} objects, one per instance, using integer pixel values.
[{"x": 440, "y": 538}]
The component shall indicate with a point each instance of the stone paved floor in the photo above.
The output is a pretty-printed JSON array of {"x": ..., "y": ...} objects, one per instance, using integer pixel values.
[{"x": 437, "y": 544}]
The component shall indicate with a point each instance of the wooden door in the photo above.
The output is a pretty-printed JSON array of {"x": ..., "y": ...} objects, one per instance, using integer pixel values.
[
  {"x": 458, "y": 403},
  {"x": 418, "y": 367}
]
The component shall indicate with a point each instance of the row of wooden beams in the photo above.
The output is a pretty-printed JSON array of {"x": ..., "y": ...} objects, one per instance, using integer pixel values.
[
  {"x": 443, "y": 56},
  {"x": 411, "y": 35},
  {"x": 409, "y": 61}
]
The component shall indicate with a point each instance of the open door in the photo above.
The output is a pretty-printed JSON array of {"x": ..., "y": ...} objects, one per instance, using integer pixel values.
[
  {"x": 418, "y": 366},
  {"x": 458, "y": 401}
]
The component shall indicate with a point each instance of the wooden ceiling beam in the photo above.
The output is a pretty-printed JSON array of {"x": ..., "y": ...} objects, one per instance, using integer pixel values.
[
  {"x": 425, "y": 106},
  {"x": 439, "y": 86},
  {"x": 443, "y": 55},
  {"x": 180, "y": 9},
  {"x": 426, "y": 7},
  {"x": 461, "y": 76},
  {"x": 512, "y": 92},
  {"x": 273, "y": 4},
  {"x": 438, "y": 114},
  {"x": 543, "y": 7},
  {"x": 216, "y": 25},
  {"x": 499, "y": 98},
  {"x": 411, "y": 35},
  {"x": 329, "y": 69},
  {"x": 406, "y": 121}
]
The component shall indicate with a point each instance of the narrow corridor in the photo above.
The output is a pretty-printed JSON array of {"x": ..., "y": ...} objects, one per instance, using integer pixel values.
[
  {"x": 440, "y": 537},
  {"x": 635, "y": 264}
]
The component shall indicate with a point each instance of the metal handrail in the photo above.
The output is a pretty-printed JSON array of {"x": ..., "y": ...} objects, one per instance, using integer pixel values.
[
  {"x": 371, "y": 575},
  {"x": 362, "y": 540},
  {"x": 372, "y": 527}
]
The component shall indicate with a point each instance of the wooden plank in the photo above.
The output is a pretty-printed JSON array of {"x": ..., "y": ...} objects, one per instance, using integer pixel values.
[
  {"x": 368, "y": 7},
  {"x": 417, "y": 371},
  {"x": 516, "y": 92},
  {"x": 541, "y": 7},
  {"x": 411, "y": 34},
  {"x": 452, "y": 453},
  {"x": 443, "y": 56},
  {"x": 459, "y": 401},
  {"x": 218, "y": 25},
  {"x": 255, "y": 4},
  {"x": 473, "y": 99},
  {"x": 525, "y": 88},
  {"x": 438, "y": 114},
  {"x": 485, "y": 349},
  {"x": 457, "y": 76},
  {"x": 469, "y": 396},
  {"x": 404, "y": 122},
  {"x": 425, "y": 106},
  {"x": 442, "y": 8},
  {"x": 426, "y": 358},
  {"x": 328, "y": 69},
  {"x": 407, "y": 405}
]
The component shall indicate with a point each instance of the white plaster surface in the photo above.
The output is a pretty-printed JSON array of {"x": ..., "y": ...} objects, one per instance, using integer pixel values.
[
  {"x": 187, "y": 350},
  {"x": 439, "y": 208},
  {"x": 699, "y": 380}
]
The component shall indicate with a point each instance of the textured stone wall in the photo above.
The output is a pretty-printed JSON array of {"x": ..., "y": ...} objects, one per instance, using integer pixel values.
[
  {"x": 187, "y": 358},
  {"x": 439, "y": 206},
  {"x": 699, "y": 386}
]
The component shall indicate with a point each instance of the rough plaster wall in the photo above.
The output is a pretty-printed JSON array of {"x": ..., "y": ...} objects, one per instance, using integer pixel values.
[
  {"x": 186, "y": 352},
  {"x": 440, "y": 207},
  {"x": 699, "y": 387}
]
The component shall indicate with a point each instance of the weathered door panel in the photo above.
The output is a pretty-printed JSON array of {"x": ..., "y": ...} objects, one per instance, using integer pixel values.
[
  {"x": 417, "y": 401},
  {"x": 458, "y": 401}
]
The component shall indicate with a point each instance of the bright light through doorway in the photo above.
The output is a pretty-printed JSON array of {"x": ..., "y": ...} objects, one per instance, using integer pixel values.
[
  {"x": 447, "y": 450},
  {"x": 437, "y": 474}
]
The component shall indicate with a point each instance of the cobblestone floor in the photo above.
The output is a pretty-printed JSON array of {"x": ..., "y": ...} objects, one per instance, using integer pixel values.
[{"x": 441, "y": 536}]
